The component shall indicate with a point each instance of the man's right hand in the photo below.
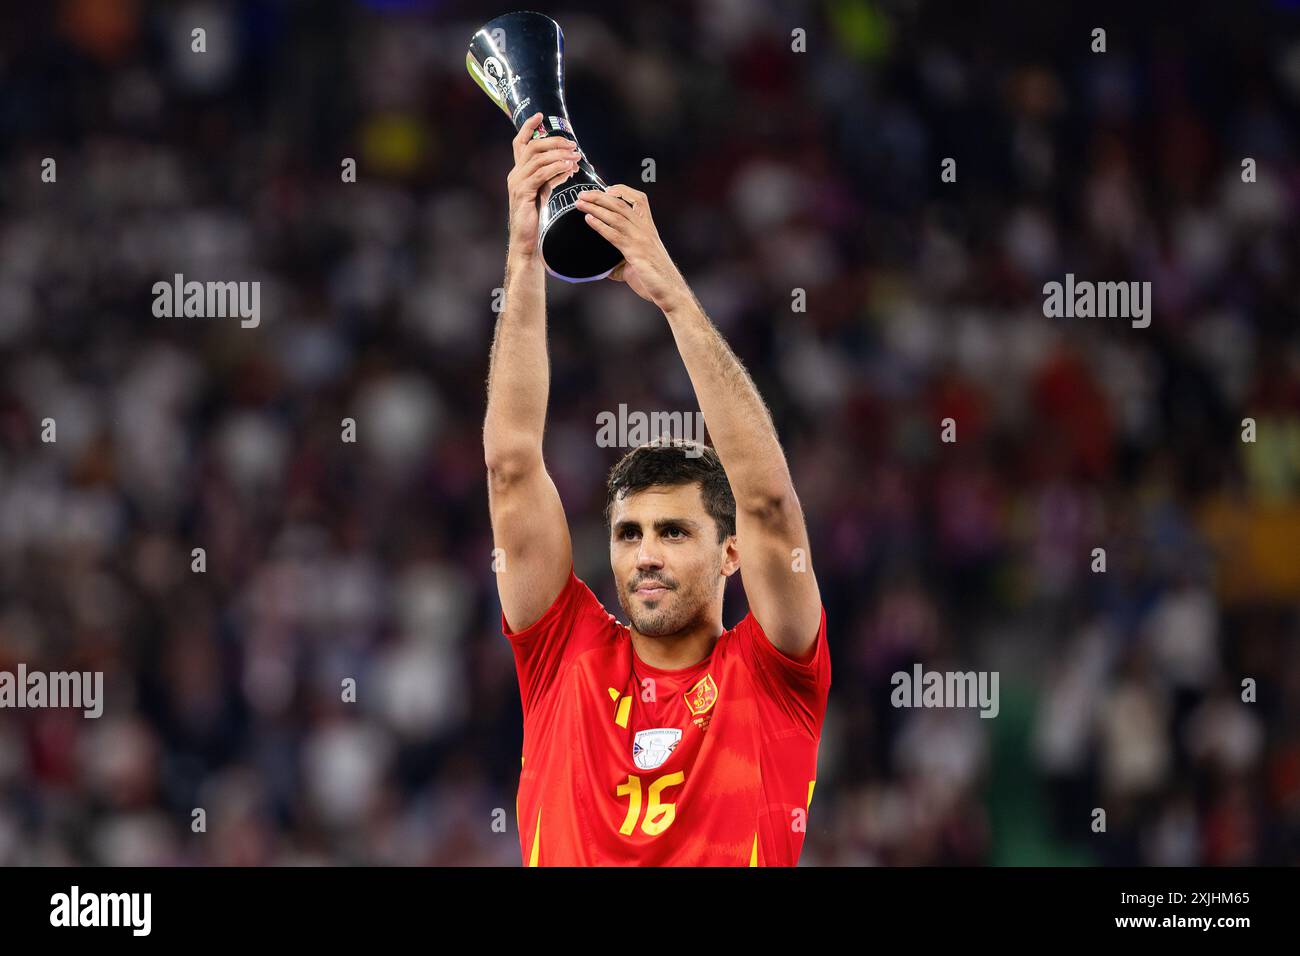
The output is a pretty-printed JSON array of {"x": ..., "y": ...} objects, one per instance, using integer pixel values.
[{"x": 540, "y": 165}]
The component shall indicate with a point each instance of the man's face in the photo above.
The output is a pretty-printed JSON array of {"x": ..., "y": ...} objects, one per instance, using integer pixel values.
[{"x": 666, "y": 558}]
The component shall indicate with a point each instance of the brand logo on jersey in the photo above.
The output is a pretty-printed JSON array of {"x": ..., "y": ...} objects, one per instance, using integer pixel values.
[
  {"x": 702, "y": 696},
  {"x": 650, "y": 748}
]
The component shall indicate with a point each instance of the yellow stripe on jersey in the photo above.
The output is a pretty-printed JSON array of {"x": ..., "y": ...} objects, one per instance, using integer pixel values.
[
  {"x": 753, "y": 854},
  {"x": 811, "y": 784},
  {"x": 537, "y": 839},
  {"x": 624, "y": 708}
]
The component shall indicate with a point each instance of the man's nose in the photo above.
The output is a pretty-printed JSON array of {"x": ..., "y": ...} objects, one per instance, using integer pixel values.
[{"x": 647, "y": 556}]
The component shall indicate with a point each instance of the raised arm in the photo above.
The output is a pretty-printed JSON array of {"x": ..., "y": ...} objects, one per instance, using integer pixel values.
[
  {"x": 769, "y": 520},
  {"x": 528, "y": 522}
]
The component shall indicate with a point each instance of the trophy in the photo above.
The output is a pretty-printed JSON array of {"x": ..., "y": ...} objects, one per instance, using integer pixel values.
[{"x": 518, "y": 61}]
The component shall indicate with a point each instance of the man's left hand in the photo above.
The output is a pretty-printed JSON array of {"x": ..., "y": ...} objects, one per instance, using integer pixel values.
[{"x": 622, "y": 216}]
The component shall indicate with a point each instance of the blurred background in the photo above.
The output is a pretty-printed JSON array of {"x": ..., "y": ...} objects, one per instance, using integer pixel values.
[{"x": 775, "y": 170}]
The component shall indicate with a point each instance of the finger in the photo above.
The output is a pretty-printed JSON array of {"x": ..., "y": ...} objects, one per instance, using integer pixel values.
[
  {"x": 526, "y": 131},
  {"x": 628, "y": 194},
  {"x": 547, "y": 188},
  {"x": 594, "y": 199},
  {"x": 526, "y": 180},
  {"x": 604, "y": 230},
  {"x": 615, "y": 220},
  {"x": 548, "y": 143},
  {"x": 560, "y": 171},
  {"x": 531, "y": 160},
  {"x": 617, "y": 274},
  {"x": 563, "y": 176},
  {"x": 530, "y": 166}
]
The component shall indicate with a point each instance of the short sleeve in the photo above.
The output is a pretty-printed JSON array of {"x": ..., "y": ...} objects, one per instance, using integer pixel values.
[
  {"x": 798, "y": 688},
  {"x": 576, "y": 620}
]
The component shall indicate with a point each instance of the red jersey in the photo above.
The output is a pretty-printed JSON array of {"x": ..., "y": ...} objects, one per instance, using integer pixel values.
[{"x": 625, "y": 764}]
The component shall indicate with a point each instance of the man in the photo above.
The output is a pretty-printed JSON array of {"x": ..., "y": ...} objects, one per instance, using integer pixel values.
[{"x": 669, "y": 741}]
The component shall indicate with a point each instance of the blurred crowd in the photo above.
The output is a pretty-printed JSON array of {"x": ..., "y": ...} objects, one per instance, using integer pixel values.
[{"x": 774, "y": 171}]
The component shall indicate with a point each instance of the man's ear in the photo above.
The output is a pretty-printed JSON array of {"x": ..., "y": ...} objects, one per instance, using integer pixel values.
[{"x": 731, "y": 557}]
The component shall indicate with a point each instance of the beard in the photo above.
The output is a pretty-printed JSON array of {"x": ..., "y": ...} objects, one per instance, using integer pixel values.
[{"x": 668, "y": 614}]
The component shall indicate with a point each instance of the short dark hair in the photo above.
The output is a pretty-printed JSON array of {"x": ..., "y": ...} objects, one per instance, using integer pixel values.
[{"x": 665, "y": 461}]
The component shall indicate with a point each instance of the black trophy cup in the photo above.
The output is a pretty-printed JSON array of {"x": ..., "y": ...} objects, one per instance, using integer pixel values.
[{"x": 518, "y": 60}]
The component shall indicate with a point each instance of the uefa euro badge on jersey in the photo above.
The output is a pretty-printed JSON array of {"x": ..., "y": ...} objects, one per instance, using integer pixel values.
[
  {"x": 518, "y": 60},
  {"x": 652, "y": 747}
]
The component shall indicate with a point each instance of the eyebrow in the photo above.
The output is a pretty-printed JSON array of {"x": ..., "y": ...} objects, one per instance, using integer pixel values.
[{"x": 659, "y": 525}]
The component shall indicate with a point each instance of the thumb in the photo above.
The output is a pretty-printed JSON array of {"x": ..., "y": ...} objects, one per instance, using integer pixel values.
[{"x": 617, "y": 274}]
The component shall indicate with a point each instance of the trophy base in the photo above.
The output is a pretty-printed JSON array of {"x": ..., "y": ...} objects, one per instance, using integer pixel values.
[{"x": 574, "y": 252}]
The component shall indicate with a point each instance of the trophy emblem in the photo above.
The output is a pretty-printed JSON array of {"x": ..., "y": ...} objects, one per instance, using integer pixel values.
[{"x": 518, "y": 60}]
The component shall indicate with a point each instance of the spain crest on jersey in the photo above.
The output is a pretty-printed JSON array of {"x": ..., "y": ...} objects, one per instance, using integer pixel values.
[{"x": 702, "y": 696}]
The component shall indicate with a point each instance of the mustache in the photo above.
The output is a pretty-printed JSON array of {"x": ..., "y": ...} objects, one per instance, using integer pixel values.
[{"x": 655, "y": 581}]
